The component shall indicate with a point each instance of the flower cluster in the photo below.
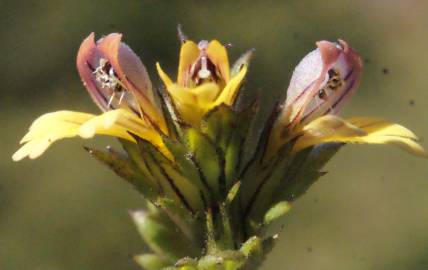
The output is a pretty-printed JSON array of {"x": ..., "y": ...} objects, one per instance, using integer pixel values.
[{"x": 185, "y": 143}]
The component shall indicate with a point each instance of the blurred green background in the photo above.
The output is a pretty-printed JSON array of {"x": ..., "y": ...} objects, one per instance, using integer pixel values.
[{"x": 66, "y": 211}]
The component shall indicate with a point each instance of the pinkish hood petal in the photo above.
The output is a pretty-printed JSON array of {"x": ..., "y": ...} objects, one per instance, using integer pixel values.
[
  {"x": 114, "y": 75},
  {"x": 322, "y": 81},
  {"x": 88, "y": 58},
  {"x": 127, "y": 65}
]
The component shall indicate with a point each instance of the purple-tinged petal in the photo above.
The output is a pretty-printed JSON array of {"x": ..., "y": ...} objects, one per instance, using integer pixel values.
[
  {"x": 132, "y": 74},
  {"x": 116, "y": 78},
  {"x": 88, "y": 58},
  {"x": 322, "y": 82},
  {"x": 128, "y": 66}
]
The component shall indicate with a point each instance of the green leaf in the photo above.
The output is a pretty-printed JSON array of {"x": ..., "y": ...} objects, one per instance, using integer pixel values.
[
  {"x": 226, "y": 260},
  {"x": 253, "y": 246},
  {"x": 264, "y": 182},
  {"x": 228, "y": 130},
  {"x": 186, "y": 264},
  {"x": 128, "y": 170},
  {"x": 152, "y": 261},
  {"x": 186, "y": 166},
  {"x": 188, "y": 224},
  {"x": 231, "y": 195},
  {"x": 219, "y": 124},
  {"x": 207, "y": 158},
  {"x": 174, "y": 183},
  {"x": 171, "y": 115},
  {"x": 305, "y": 170},
  {"x": 226, "y": 239},
  {"x": 163, "y": 236},
  {"x": 256, "y": 169},
  {"x": 277, "y": 211}
]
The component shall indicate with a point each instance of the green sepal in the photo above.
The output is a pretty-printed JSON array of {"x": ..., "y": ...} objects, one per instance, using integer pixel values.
[
  {"x": 171, "y": 179},
  {"x": 253, "y": 246},
  {"x": 228, "y": 129},
  {"x": 256, "y": 169},
  {"x": 186, "y": 264},
  {"x": 189, "y": 224},
  {"x": 276, "y": 211},
  {"x": 304, "y": 170},
  {"x": 226, "y": 239},
  {"x": 233, "y": 192},
  {"x": 152, "y": 261},
  {"x": 226, "y": 260},
  {"x": 171, "y": 115},
  {"x": 163, "y": 236},
  {"x": 263, "y": 181},
  {"x": 124, "y": 167},
  {"x": 254, "y": 252},
  {"x": 187, "y": 166},
  {"x": 207, "y": 157}
]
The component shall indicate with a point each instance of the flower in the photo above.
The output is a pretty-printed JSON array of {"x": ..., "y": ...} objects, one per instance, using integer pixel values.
[
  {"x": 320, "y": 85},
  {"x": 119, "y": 84},
  {"x": 204, "y": 80},
  {"x": 185, "y": 146}
]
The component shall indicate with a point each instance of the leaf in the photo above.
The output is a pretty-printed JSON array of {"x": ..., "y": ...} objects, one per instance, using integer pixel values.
[
  {"x": 125, "y": 168},
  {"x": 181, "y": 217},
  {"x": 250, "y": 173},
  {"x": 219, "y": 124},
  {"x": 187, "y": 166},
  {"x": 226, "y": 260},
  {"x": 152, "y": 261},
  {"x": 232, "y": 193},
  {"x": 207, "y": 158},
  {"x": 277, "y": 211},
  {"x": 228, "y": 130},
  {"x": 265, "y": 180},
  {"x": 162, "y": 236},
  {"x": 305, "y": 170},
  {"x": 170, "y": 178}
]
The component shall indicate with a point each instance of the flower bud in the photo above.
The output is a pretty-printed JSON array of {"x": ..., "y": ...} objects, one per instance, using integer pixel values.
[{"x": 321, "y": 82}]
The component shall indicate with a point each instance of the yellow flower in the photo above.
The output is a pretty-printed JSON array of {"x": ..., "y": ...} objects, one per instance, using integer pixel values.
[
  {"x": 320, "y": 85},
  {"x": 119, "y": 84},
  {"x": 203, "y": 80}
]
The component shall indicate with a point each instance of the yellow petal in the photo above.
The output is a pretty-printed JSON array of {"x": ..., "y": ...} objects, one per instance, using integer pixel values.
[
  {"x": 122, "y": 123},
  {"x": 192, "y": 103},
  {"x": 49, "y": 128},
  {"x": 229, "y": 93},
  {"x": 164, "y": 77},
  {"x": 189, "y": 53},
  {"x": 331, "y": 128},
  {"x": 115, "y": 123},
  {"x": 218, "y": 55},
  {"x": 65, "y": 124}
]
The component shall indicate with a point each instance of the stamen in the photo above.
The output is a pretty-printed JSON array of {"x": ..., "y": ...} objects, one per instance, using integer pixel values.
[
  {"x": 111, "y": 100},
  {"x": 204, "y": 73},
  {"x": 121, "y": 97}
]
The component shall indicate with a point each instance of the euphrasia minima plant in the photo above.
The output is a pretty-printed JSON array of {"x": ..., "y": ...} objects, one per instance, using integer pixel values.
[{"x": 184, "y": 144}]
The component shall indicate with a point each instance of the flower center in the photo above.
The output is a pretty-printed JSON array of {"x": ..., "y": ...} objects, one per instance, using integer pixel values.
[
  {"x": 334, "y": 82},
  {"x": 203, "y": 69},
  {"x": 107, "y": 77}
]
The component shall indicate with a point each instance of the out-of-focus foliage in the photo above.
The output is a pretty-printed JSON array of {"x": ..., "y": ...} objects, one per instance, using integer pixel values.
[{"x": 65, "y": 211}]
